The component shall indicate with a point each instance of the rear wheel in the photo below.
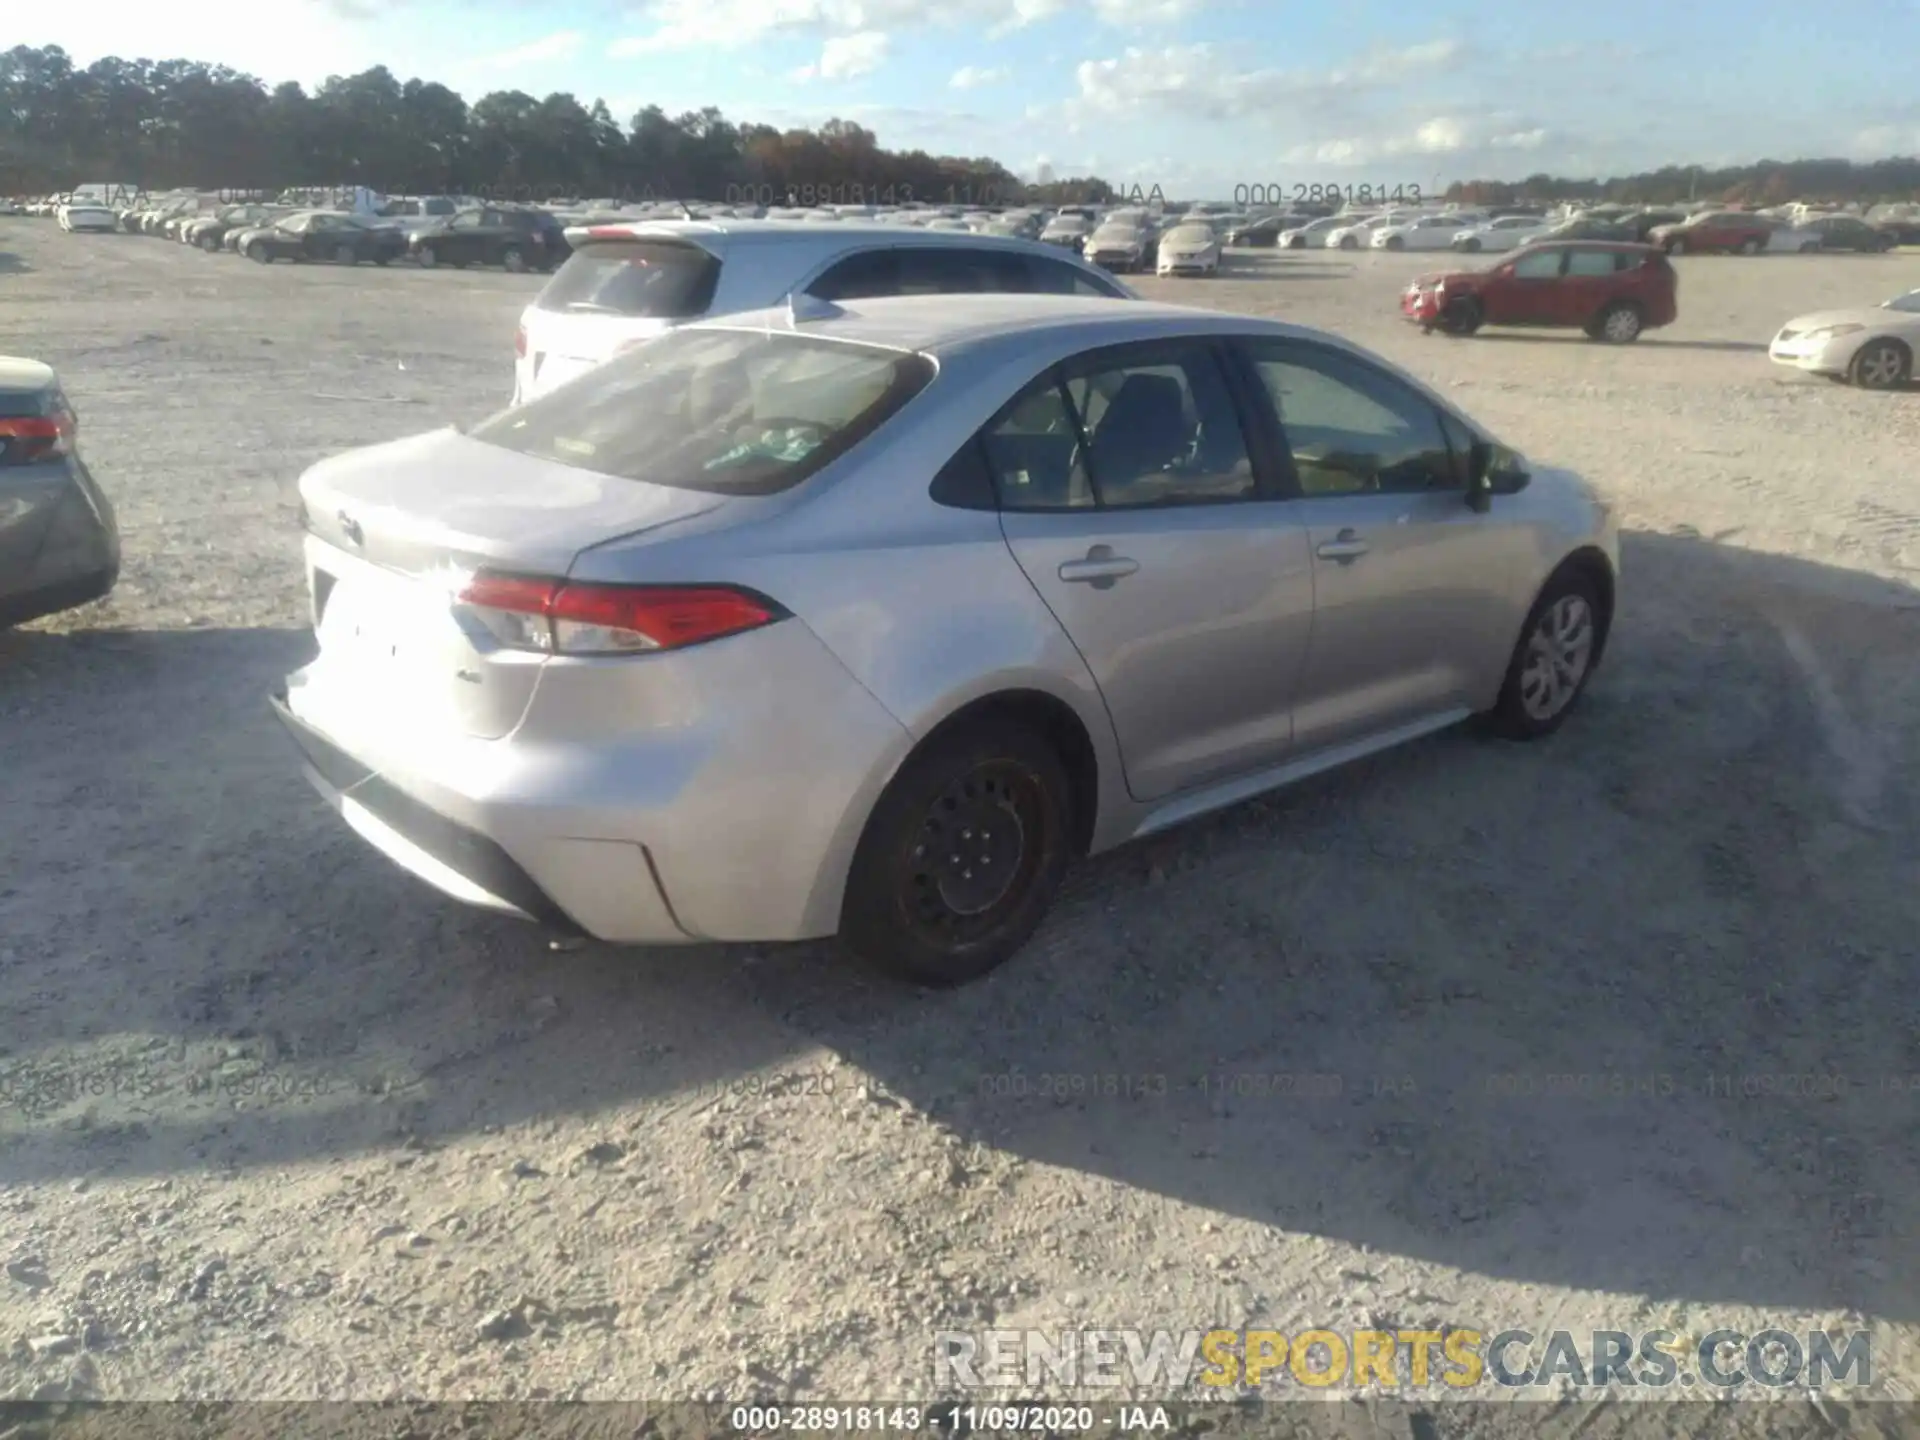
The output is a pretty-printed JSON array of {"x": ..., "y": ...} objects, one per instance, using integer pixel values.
[
  {"x": 1750, "y": 247},
  {"x": 1347, "y": 242},
  {"x": 1676, "y": 246},
  {"x": 1810, "y": 247},
  {"x": 514, "y": 259},
  {"x": 424, "y": 254},
  {"x": 1881, "y": 365},
  {"x": 962, "y": 855},
  {"x": 1559, "y": 647},
  {"x": 259, "y": 251},
  {"x": 1394, "y": 242},
  {"x": 1470, "y": 245},
  {"x": 345, "y": 255}
]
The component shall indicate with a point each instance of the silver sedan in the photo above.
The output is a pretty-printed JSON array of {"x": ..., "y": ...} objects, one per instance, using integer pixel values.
[
  {"x": 868, "y": 619},
  {"x": 59, "y": 540}
]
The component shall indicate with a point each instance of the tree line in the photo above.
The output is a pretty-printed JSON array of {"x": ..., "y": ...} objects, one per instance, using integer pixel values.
[
  {"x": 1765, "y": 182},
  {"x": 162, "y": 124}
]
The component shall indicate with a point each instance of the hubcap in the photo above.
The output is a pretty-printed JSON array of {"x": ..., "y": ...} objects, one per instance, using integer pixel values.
[
  {"x": 1558, "y": 653},
  {"x": 1880, "y": 367},
  {"x": 974, "y": 851},
  {"x": 1622, "y": 325}
]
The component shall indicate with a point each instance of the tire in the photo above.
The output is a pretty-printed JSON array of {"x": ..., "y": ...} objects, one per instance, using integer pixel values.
[
  {"x": 1811, "y": 247},
  {"x": 1536, "y": 698},
  {"x": 423, "y": 255},
  {"x": 1619, "y": 324},
  {"x": 345, "y": 255},
  {"x": 210, "y": 243},
  {"x": 1881, "y": 365},
  {"x": 513, "y": 258},
  {"x": 1348, "y": 242},
  {"x": 1472, "y": 247},
  {"x": 383, "y": 260},
  {"x": 258, "y": 252},
  {"x": 1394, "y": 242},
  {"x": 932, "y": 921},
  {"x": 1676, "y": 247},
  {"x": 1751, "y": 247},
  {"x": 1462, "y": 317},
  {"x": 1296, "y": 244}
]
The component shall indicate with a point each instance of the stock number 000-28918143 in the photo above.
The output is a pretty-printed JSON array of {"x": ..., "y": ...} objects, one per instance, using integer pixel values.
[{"x": 1283, "y": 194}]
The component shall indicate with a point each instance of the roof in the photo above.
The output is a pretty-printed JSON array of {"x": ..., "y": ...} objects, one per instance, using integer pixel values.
[
  {"x": 730, "y": 234},
  {"x": 19, "y": 374},
  {"x": 949, "y": 323}
]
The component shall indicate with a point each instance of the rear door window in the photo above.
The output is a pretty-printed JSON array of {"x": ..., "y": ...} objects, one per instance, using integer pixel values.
[
  {"x": 863, "y": 275},
  {"x": 1055, "y": 277},
  {"x": 641, "y": 279},
  {"x": 1589, "y": 263}
]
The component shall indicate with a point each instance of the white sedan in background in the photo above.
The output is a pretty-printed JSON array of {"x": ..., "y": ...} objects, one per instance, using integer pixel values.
[
  {"x": 88, "y": 215},
  {"x": 1189, "y": 250},
  {"x": 1872, "y": 347},
  {"x": 1357, "y": 233},
  {"x": 1509, "y": 232},
  {"x": 1313, "y": 235},
  {"x": 1423, "y": 232}
]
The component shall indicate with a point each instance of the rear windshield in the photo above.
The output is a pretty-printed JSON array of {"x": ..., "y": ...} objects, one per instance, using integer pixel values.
[
  {"x": 654, "y": 279},
  {"x": 734, "y": 412}
]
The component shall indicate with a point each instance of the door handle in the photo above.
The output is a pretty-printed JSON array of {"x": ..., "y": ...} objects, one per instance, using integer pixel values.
[
  {"x": 1100, "y": 569},
  {"x": 1344, "y": 547}
]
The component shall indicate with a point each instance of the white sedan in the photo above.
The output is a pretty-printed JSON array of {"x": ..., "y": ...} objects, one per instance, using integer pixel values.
[
  {"x": 86, "y": 215},
  {"x": 1789, "y": 239},
  {"x": 1313, "y": 235},
  {"x": 1189, "y": 250},
  {"x": 1870, "y": 347},
  {"x": 1424, "y": 232},
  {"x": 1509, "y": 232},
  {"x": 1358, "y": 232}
]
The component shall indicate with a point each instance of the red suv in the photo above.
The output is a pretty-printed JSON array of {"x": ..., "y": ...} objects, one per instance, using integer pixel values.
[
  {"x": 1723, "y": 230},
  {"x": 1611, "y": 291}
]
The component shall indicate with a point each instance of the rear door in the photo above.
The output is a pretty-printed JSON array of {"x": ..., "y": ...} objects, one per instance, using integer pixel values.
[
  {"x": 1410, "y": 584},
  {"x": 1587, "y": 284},
  {"x": 1140, "y": 507}
]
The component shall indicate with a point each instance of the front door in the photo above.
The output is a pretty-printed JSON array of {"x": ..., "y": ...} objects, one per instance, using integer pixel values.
[
  {"x": 1131, "y": 502},
  {"x": 1526, "y": 290},
  {"x": 1411, "y": 585}
]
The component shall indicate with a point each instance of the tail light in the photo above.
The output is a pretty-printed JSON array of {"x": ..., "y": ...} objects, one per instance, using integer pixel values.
[
  {"x": 27, "y": 439},
  {"x": 520, "y": 341},
  {"x": 559, "y": 617}
]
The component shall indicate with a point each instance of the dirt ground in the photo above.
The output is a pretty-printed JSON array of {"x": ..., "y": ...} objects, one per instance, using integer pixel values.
[{"x": 1614, "y": 1032}]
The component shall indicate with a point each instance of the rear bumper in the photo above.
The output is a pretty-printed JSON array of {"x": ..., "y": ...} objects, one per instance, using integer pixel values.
[{"x": 714, "y": 795}]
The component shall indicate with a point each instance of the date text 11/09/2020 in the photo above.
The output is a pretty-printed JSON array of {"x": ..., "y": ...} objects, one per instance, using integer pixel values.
[{"x": 1280, "y": 193}]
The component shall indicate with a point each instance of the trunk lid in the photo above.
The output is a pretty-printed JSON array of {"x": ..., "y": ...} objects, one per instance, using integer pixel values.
[{"x": 398, "y": 527}]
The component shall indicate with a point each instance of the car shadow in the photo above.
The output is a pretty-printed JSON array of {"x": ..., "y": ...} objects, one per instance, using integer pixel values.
[
  {"x": 11, "y": 264},
  {"x": 1568, "y": 1013},
  {"x": 1651, "y": 338}
]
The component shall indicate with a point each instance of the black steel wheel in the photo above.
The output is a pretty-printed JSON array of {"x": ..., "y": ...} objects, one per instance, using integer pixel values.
[{"x": 961, "y": 857}]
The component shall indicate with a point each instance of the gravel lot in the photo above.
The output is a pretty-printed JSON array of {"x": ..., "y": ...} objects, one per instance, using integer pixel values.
[{"x": 279, "y": 1122}]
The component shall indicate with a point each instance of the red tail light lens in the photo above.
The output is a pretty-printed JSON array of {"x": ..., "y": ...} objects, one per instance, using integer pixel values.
[
  {"x": 26, "y": 439},
  {"x": 520, "y": 341},
  {"x": 559, "y": 617}
]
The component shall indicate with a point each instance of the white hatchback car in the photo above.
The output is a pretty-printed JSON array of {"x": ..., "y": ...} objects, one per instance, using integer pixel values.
[{"x": 625, "y": 284}]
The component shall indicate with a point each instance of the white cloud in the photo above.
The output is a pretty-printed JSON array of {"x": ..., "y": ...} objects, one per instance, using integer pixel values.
[
  {"x": 305, "y": 40},
  {"x": 561, "y": 45},
  {"x": 1443, "y": 135},
  {"x": 845, "y": 57},
  {"x": 1192, "y": 80},
  {"x": 1878, "y": 141},
  {"x": 972, "y": 77},
  {"x": 734, "y": 24}
]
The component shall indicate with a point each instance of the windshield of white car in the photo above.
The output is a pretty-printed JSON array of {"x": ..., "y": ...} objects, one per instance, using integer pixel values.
[
  {"x": 732, "y": 412},
  {"x": 1190, "y": 235}
]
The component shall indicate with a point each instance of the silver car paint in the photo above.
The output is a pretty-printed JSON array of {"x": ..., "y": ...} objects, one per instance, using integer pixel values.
[{"x": 738, "y": 775}]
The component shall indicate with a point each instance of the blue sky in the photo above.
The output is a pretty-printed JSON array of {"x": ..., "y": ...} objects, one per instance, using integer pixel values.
[{"x": 1194, "y": 96}]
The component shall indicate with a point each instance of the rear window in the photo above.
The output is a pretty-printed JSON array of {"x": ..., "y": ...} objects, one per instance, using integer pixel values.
[
  {"x": 733, "y": 412},
  {"x": 654, "y": 279}
]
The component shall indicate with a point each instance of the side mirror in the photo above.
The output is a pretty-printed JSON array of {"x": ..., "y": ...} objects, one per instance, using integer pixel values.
[{"x": 1480, "y": 477}]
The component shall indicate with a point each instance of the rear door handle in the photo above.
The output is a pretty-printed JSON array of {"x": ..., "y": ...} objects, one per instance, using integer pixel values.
[
  {"x": 1343, "y": 547},
  {"x": 1100, "y": 569}
]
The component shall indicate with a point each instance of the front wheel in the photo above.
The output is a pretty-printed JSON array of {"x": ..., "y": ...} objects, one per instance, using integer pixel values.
[
  {"x": 961, "y": 857},
  {"x": 1394, "y": 242},
  {"x": 1619, "y": 324},
  {"x": 1470, "y": 246},
  {"x": 345, "y": 255},
  {"x": 1676, "y": 247},
  {"x": 514, "y": 259},
  {"x": 1881, "y": 365},
  {"x": 1558, "y": 649},
  {"x": 1753, "y": 247},
  {"x": 1347, "y": 242},
  {"x": 260, "y": 253},
  {"x": 425, "y": 256},
  {"x": 1462, "y": 317}
]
